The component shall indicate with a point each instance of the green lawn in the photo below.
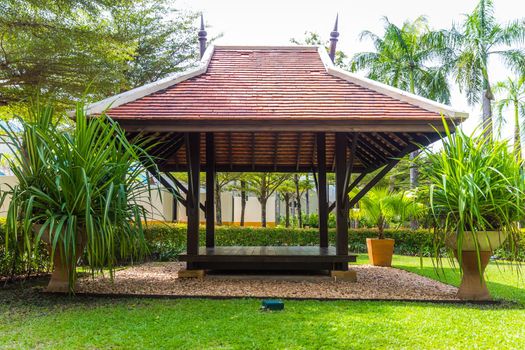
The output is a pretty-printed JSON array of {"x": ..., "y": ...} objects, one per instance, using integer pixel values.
[{"x": 29, "y": 320}]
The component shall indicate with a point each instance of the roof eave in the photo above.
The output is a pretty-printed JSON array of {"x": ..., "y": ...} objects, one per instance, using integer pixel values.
[
  {"x": 416, "y": 100},
  {"x": 141, "y": 91}
]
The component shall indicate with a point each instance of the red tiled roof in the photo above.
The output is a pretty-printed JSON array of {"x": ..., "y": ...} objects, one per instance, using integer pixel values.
[{"x": 260, "y": 83}]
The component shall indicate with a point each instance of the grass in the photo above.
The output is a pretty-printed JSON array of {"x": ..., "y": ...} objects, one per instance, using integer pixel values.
[{"x": 31, "y": 320}]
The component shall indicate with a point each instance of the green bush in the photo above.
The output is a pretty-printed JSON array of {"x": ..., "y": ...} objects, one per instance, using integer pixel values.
[
  {"x": 165, "y": 241},
  {"x": 16, "y": 263},
  {"x": 163, "y": 237}
]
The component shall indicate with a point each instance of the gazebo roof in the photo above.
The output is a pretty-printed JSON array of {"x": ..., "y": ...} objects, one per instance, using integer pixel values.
[
  {"x": 265, "y": 104},
  {"x": 270, "y": 83}
]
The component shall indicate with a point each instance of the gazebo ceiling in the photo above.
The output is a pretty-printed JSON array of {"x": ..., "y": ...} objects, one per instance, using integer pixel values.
[{"x": 265, "y": 105}]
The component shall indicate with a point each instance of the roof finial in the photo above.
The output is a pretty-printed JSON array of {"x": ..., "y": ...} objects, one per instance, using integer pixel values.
[
  {"x": 202, "y": 37},
  {"x": 333, "y": 39}
]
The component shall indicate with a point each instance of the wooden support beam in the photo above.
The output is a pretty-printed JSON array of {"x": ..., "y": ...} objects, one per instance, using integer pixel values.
[
  {"x": 181, "y": 187},
  {"x": 192, "y": 209},
  {"x": 350, "y": 188},
  {"x": 164, "y": 182},
  {"x": 342, "y": 207},
  {"x": 210, "y": 190},
  {"x": 350, "y": 164},
  {"x": 393, "y": 162},
  {"x": 321, "y": 192}
]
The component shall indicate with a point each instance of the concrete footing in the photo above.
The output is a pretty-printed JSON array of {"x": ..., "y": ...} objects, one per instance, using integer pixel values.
[
  {"x": 347, "y": 276},
  {"x": 192, "y": 274}
]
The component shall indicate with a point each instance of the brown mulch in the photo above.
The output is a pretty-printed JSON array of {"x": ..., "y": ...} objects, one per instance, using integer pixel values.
[{"x": 372, "y": 283}]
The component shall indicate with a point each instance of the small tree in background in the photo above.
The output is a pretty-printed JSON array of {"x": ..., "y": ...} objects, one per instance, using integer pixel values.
[
  {"x": 513, "y": 97},
  {"x": 286, "y": 191},
  {"x": 263, "y": 186}
]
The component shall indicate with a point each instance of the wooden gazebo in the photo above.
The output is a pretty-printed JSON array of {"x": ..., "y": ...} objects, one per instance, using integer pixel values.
[{"x": 274, "y": 109}]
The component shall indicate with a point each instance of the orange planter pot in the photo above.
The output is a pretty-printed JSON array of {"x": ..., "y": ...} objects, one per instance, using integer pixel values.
[{"x": 380, "y": 251}]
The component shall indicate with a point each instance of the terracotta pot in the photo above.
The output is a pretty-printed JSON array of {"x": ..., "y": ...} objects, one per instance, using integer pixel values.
[
  {"x": 380, "y": 251},
  {"x": 59, "y": 282},
  {"x": 473, "y": 286}
]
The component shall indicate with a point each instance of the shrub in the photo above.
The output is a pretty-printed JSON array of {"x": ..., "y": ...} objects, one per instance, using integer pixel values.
[{"x": 165, "y": 241}]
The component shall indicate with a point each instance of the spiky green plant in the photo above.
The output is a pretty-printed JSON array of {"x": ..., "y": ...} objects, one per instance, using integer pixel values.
[
  {"x": 380, "y": 206},
  {"x": 513, "y": 97},
  {"x": 76, "y": 184},
  {"x": 475, "y": 185}
]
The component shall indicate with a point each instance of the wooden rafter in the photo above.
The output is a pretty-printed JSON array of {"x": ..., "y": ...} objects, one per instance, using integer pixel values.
[
  {"x": 393, "y": 162},
  {"x": 230, "y": 150},
  {"x": 275, "y": 149},
  {"x": 298, "y": 155},
  {"x": 253, "y": 150}
]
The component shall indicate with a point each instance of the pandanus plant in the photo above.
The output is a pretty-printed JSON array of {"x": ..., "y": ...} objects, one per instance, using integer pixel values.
[
  {"x": 477, "y": 198},
  {"x": 79, "y": 190}
]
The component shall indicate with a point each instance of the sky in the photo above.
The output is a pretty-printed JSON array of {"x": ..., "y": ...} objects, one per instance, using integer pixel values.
[{"x": 275, "y": 22}]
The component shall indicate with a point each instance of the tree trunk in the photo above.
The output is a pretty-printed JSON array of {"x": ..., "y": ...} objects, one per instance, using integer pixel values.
[
  {"x": 263, "y": 201},
  {"x": 307, "y": 200},
  {"x": 487, "y": 98},
  {"x": 287, "y": 210},
  {"x": 517, "y": 132},
  {"x": 298, "y": 194},
  {"x": 392, "y": 183},
  {"x": 414, "y": 171},
  {"x": 243, "y": 201},
  {"x": 414, "y": 182},
  {"x": 218, "y": 205}
]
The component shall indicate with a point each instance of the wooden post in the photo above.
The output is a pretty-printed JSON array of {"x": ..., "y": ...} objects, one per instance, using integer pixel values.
[
  {"x": 193, "y": 197},
  {"x": 341, "y": 198},
  {"x": 210, "y": 190},
  {"x": 321, "y": 191}
]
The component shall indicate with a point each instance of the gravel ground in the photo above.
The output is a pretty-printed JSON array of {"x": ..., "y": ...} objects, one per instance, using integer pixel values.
[{"x": 372, "y": 283}]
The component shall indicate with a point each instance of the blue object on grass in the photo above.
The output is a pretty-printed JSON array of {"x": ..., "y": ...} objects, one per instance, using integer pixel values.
[{"x": 272, "y": 304}]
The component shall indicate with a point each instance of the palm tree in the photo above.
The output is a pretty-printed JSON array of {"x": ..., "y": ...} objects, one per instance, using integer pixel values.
[
  {"x": 403, "y": 58},
  {"x": 479, "y": 38},
  {"x": 380, "y": 206},
  {"x": 514, "y": 97}
]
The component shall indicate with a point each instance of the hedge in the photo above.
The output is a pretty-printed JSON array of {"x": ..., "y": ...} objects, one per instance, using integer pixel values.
[{"x": 166, "y": 241}]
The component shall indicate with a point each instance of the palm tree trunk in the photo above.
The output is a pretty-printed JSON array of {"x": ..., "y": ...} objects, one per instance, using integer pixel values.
[
  {"x": 243, "y": 201},
  {"x": 517, "y": 132},
  {"x": 414, "y": 171},
  {"x": 487, "y": 114}
]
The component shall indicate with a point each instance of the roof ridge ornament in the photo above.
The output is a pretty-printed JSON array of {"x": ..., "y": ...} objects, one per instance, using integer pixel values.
[
  {"x": 333, "y": 39},
  {"x": 202, "y": 37}
]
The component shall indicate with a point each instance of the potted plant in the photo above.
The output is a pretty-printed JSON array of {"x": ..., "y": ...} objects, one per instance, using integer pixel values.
[
  {"x": 78, "y": 191},
  {"x": 477, "y": 196},
  {"x": 379, "y": 207}
]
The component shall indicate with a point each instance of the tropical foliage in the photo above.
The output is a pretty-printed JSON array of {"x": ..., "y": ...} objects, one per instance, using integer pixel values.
[
  {"x": 76, "y": 188},
  {"x": 405, "y": 57},
  {"x": 478, "y": 38},
  {"x": 381, "y": 207},
  {"x": 60, "y": 49},
  {"x": 513, "y": 98},
  {"x": 475, "y": 185}
]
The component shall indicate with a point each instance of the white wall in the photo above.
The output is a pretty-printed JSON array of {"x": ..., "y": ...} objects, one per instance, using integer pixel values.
[
  {"x": 5, "y": 182},
  {"x": 159, "y": 204}
]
